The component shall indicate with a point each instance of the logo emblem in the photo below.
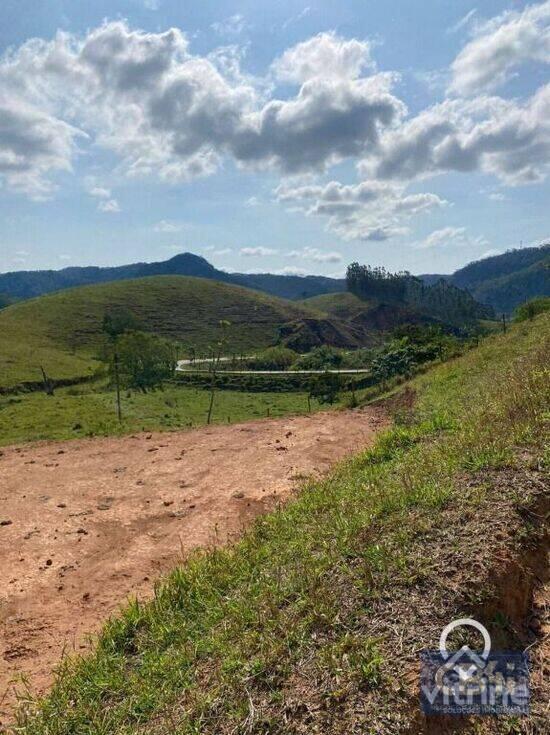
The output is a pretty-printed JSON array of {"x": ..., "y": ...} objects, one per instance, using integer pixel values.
[{"x": 473, "y": 682}]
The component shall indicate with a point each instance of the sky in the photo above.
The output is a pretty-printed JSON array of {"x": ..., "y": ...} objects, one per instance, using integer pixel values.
[{"x": 287, "y": 137}]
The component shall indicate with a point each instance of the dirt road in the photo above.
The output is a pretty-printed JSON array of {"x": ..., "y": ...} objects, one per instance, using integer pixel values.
[{"x": 84, "y": 524}]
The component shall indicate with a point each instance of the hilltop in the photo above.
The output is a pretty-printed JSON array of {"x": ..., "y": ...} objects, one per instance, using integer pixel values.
[
  {"x": 62, "y": 331},
  {"x": 500, "y": 281},
  {"x": 28, "y": 284},
  {"x": 504, "y": 281}
]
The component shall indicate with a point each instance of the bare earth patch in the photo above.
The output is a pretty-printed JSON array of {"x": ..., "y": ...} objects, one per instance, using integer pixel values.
[{"x": 84, "y": 524}]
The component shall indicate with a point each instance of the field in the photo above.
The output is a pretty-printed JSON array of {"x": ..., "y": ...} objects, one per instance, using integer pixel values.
[
  {"x": 313, "y": 622},
  {"x": 62, "y": 331},
  {"x": 80, "y": 412}
]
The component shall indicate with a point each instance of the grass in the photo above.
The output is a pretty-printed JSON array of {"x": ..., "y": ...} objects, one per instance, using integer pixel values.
[
  {"x": 304, "y": 625},
  {"x": 342, "y": 305},
  {"x": 81, "y": 412},
  {"x": 62, "y": 331}
]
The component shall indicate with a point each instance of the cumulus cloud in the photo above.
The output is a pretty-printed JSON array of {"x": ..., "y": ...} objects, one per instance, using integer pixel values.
[
  {"x": 500, "y": 46},
  {"x": 506, "y": 138},
  {"x": 370, "y": 210},
  {"x": 175, "y": 115},
  {"x": 33, "y": 144},
  {"x": 323, "y": 56},
  {"x": 258, "y": 252}
]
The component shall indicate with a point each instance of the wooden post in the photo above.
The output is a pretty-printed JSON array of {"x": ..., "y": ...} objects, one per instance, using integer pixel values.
[
  {"x": 504, "y": 322},
  {"x": 117, "y": 385}
]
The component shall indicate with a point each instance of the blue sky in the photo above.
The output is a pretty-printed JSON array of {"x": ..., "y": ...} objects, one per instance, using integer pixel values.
[{"x": 285, "y": 137}]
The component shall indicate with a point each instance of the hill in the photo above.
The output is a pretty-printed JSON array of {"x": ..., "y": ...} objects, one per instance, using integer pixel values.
[
  {"x": 368, "y": 316},
  {"x": 315, "y": 620},
  {"x": 504, "y": 281},
  {"x": 28, "y": 284},
  {"x": 62, "y": 331}
]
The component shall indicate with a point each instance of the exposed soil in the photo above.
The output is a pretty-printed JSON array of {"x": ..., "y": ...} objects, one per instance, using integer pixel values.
[{"x": 84, "y": 524}]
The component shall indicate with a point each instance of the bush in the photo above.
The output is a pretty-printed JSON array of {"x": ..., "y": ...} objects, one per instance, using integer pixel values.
[
  {"x": 530, "y": 309},
  {"x": 320, "y": 358},
  {"x": 273, "y": 358}
]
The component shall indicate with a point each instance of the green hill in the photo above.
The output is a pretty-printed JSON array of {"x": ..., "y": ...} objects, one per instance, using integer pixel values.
[
  {"x": 314, "y": 622},
  {"x": 62, "y": 331},
  {"x": 504, "y": 281}
]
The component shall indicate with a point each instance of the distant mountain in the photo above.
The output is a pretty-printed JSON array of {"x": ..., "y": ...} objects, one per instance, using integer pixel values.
[
  {"x": 27, "y": 284},
  {"x": 504, "y": 281}
]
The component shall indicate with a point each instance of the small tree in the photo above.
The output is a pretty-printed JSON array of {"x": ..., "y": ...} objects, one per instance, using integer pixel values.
[{"x": 116, "y": 322}]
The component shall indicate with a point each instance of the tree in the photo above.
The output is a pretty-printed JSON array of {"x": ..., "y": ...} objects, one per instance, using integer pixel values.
[
  {"x": 144, "y": 360},
  {"x": 116, "y": 322},
  {"x": 217, "y": 352}
]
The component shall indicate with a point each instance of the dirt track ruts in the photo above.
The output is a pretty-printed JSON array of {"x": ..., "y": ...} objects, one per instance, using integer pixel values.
[{"x": 88, "y": 522}]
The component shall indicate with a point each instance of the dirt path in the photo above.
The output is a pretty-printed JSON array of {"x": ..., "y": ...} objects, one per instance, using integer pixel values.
[{"x": 83, "y": 524}]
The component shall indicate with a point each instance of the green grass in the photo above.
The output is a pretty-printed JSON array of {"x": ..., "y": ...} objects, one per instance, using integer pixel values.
[
  {"x": 282, "y": 628},
  {"x": 62, "y": 331},
  {"x": 81, "y": 412},
  {"x": 342, "y": 305}
]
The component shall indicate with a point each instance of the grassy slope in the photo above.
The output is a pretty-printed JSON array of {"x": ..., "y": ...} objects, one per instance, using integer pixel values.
[
  {"x": 342, "y": 305},
  {"x": 62, "y": 331},
  {"x": 78, "y": 412},
  {"x": 313, "y": 622}
]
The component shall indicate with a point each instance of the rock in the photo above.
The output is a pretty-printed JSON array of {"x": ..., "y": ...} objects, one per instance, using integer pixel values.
[
  {"x": 238, "y": 495},
  {"x": 6, "y": 523}
]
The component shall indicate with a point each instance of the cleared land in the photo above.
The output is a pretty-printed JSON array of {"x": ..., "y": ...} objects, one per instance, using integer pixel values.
[
  {"x": 93, "y": 521},
  {"x": 313, "y": 622},
  {"x": 62, "y": 331}
]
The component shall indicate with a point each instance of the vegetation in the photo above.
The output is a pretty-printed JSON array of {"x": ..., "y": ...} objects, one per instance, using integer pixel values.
[
  {"x": 29, "y": 284},
  {"x": 63, "y": 331},
  {"x": 442, "y": 300},
  {"x": 530, "y": 309},
  {"x": 79, "y": 411},
  {"x": 144, "y": 361},
  {"x": 274, "y": 358},
  {"x": 312, "y": 621}
]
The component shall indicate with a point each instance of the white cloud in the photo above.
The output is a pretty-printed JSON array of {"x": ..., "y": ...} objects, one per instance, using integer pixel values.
[
  {"x": 167, "y": 227},
  {"x": 316, "y": 255},
  {"x": 450, "y": 236},
  {"x": 296, "y": 18},
  {"x": 110, "y": 206},
  {"x": 170, "y": 114},
  {"x": 497, "y": 196},
  {"x": 100, "y": 192},
  {"x": 232, "y": 26},
  {"x": 258, "y": 252},
  {"x": 324, "y": 56},
  {"x": 290, "y": 270},
  {"x": 500, "y": 46},
  {"x": 506, "y": 138},
  {"x": 370, "y": 210},
  {"x": 463, "y": 22},
  {"x": 33, "y": 143},
  {"x": 252, "y": 202}
]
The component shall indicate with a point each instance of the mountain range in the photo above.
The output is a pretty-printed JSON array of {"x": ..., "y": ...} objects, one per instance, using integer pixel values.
[{"x": 500, "y": 281}]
